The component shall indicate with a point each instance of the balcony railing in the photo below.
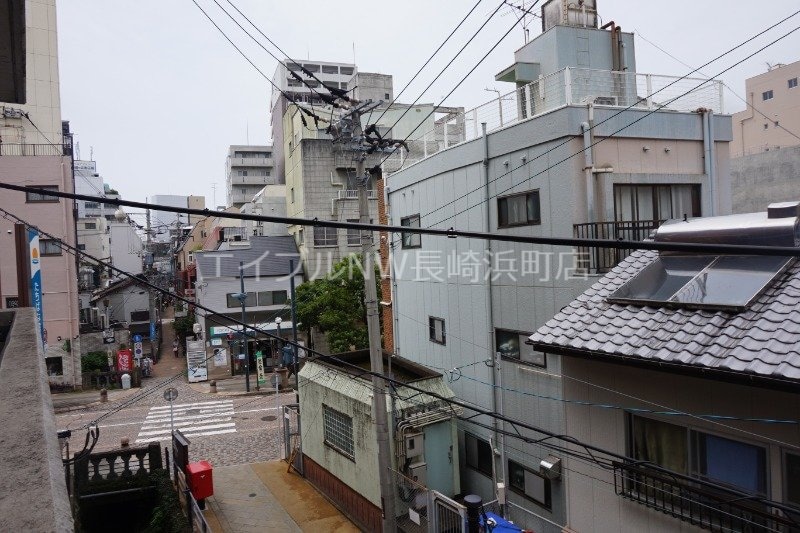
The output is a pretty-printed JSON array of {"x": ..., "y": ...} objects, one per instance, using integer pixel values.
[
  {"x": 707, "y": 505},
  {"x": 9, "y": 149},
  {"x": 352, "y": 194},
  {"x": 570, "y": 86},
  {"x": 600, "y": 260}
]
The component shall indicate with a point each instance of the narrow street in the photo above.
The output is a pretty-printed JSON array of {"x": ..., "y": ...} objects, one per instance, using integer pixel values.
[{"x": 223, "y": 429}]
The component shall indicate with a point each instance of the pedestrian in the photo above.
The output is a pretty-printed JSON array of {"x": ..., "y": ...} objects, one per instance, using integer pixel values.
[
  {"x": 288, "y": 358},
  {"x": 175, "y": 347}
]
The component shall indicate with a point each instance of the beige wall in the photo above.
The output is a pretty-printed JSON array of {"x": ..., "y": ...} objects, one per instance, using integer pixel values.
[
  {"x": 593, "y": 504},
  {"x": 754, "y": 129}
]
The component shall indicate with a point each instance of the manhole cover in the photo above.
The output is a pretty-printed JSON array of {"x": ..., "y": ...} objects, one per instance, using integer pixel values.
[{"x": 269, "y": 418}]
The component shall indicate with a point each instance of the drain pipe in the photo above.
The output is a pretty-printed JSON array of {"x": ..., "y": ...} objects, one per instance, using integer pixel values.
[
  {"x": 712, "y": 178},
  {"x": 588, "y": 166},
  {"x": 708, "y": 156}
]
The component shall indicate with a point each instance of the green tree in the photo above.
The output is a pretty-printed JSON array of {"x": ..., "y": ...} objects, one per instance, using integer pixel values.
[
  {"x": 183, "y": 326},
  {"x": 335, "y": 305}
]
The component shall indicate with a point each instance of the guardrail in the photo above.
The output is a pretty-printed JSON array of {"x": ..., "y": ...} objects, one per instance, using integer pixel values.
[{"x": 601, "y": 260}]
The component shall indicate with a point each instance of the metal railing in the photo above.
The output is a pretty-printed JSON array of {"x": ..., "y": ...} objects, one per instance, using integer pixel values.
[
  {"x": 12, "y": 149},
  {"x": 422, "y": 510},
  {"x": 569, "y": 86},
  {"x": 352, "y": 194},
  {"x": 709, "y": 507},
  {"x": 600, "y": 260}
]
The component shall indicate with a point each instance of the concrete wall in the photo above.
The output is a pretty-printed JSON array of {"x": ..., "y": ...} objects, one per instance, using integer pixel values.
[
  {"x": 33, "y": 493},
  {"x": 595, "y": 505},
  {"x": 126, "y": 247},
  {"x": 763, "y": 178},
  {"x": 768, "y": 124},
  {"x": 93, "y": 342}
]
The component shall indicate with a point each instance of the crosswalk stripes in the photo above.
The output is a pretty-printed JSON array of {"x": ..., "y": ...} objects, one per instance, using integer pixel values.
[{"x": 193, "y": 419}]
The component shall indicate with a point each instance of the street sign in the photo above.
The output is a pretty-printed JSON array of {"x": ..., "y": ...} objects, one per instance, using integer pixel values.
[
  {"x": 136, "y": 338},
  {"x": 124, "y": 360},
  {"x": 137, "y": 350},
  {"x": 196, "y": 361},
  {"x": 171, "y": 394},
  {"x": 260, "y": 368},
  {"x": 108, "y": 336},
  {"x": 152, "y": 330}
]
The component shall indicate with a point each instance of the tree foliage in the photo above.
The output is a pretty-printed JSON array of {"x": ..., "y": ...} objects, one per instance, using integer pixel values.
[
  {"x": 335, "y": 305},
  {"x": 183, "y": 326}
]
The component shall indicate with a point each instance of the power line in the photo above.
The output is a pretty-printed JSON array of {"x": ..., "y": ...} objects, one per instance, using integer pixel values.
[
  {"x": 516, "y": 424},
  {"x": 595, "y": 143},
  {"x": 614, "y": 115},
  {"x": 451, "y": 233}
]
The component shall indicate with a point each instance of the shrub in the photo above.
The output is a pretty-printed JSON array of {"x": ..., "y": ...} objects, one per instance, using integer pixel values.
[{"x": 95, "y": 362}]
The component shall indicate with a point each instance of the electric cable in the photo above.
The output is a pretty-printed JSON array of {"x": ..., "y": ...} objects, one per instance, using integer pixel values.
[
  {"x": 612, "y": 116},
  {"x": 452, "y": 233},
  {"x": 450, "y": 401}
]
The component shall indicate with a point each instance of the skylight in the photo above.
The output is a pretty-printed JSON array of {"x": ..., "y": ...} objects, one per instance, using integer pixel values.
[{"x": 698, "y": 281}]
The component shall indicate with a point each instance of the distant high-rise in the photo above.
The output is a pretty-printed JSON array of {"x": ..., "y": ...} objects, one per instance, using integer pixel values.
[{"x": 247, "y": 170}]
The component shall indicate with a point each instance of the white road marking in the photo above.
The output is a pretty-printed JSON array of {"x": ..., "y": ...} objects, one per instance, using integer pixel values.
[{"x": 206, "y": 418}]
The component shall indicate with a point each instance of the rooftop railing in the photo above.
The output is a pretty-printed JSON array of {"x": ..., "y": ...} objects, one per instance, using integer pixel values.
[{"x": 11, "y": 149}]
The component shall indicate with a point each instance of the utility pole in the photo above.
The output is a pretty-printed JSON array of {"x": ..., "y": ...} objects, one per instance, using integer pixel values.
[
  {"x": 294, "y": 331},
  {"x": 151, "y": 301},
  {"x": 374, "y": 331},
  {"x": 242, "y": 297}
]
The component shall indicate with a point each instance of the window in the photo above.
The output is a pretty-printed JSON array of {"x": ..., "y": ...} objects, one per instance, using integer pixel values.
[
  {"x": 49, "y": 247},
  {"x": 312, "y": 83},
  {"x": 55, "y": 366},
  {"x": 82, "y": 247},
  {"x": 330, "y": 69},
  {"x": 338, "y": 430},
  {"x": 346, "y": 71},
  {"x": 293, "y": 82},
  {"x": 656, "y": 202},
  {"x": 12, "y": 42},
  {"x": 767, "y": 95},
  {"x": 292, "y": 66},
  {"x": 478, "y": 454},
  {"x": 325, "y": 237},
  {"x": 519, "y": 210},
  {"x": 271, "y": 298},
  {"x": 353, "y": 235},
  {"x": 529, "y": 483},
  {"x": 300, "y": 238},
  {"x": 343, "y": 85},
  {"x": 791, "y": 478},
  {"x": 250, "y": 301},
  {"x": 793, "y": 83},
  {"x": 32, "y": 197},
  {"x": 140, "y": 316},
  {"x": 411, "y": 240},
  {"x": 511, "y": 345},
  {"x": 311, "y": 67},
  {"x": 703, "y": 455},
  {"x": 90, "y": 225},
  {"x": 92, "y": 205},
  {"x": 437, "y": 332},
  {"x": 386, "y": 96}
]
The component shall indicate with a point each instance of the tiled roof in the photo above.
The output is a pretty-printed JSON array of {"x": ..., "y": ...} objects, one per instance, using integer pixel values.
[{"x": 763, "y": 340}]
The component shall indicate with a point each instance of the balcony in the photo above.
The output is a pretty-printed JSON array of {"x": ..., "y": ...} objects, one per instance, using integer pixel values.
[
  {"x": 703, "y": 504},
  {"x": 252, "y": 180},
  {"x": 8, "y": 149},
  {"x": 252, "y": 162},
  {"x": 352, "y": 194},
  {"x": 594, "y": 260},
  {"x": 570, "y": 86}
]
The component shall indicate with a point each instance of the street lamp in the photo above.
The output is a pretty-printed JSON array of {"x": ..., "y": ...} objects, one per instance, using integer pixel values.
[{"x": 280, "y": 348}]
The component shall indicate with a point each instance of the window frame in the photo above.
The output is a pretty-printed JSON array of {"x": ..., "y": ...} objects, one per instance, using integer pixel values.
[
  {"x": 522, "y": 335},
  {"x": 45, "y": 199},
  {"x": 229, "y": 298},
  {"x": 785, "y": 477},
  {"x": 432, "y": 330},
  {"x": 696, "y": 193},
  {"x": 792, "y": 82},
  {"x": 528, "y": 221},
  {"x": 353, "y": 236},
  {"x": 329, "y": 415},
  {"x": 481, "y": 469},
  {"x": 325, "y": 242},
  {"x": 548, "y": 488},
  {"x": 407, "y": 239},
  {"x": 272, "y": 294},
  {"x": 767, "y": 95},
  {"x": 53, "y": 252}
]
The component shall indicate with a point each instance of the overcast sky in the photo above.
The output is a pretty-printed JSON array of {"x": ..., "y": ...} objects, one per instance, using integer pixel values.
[{"x": 159, "y": 94}]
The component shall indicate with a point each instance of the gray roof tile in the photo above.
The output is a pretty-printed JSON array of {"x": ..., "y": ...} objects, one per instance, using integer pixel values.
[
  {"x": 266, "y": 256},
  {"x": 762, "y": 340}
]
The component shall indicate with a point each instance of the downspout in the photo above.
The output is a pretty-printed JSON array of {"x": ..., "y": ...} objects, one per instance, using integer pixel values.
[
  {"x": 712, "y": 164},
  {"x": 623, "y": 63},
  {"x": 707, "y": 156},
  {"x": 752, "y": 114},
  {"x": 588, "y": 165},
  {"x": 497, "y": 403}
]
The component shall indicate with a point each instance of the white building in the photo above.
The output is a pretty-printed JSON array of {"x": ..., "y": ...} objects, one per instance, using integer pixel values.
[
  {"x": 127, "y": 248},
  {"x": 248, "y": 169},
  {"x": 269, "y": 201},
  {"x": 470, "y": 304}
]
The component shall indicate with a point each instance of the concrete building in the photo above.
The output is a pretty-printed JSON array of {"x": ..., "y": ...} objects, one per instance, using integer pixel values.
[
  {"x": 167, "y": 225},
  {"x": 772, "y": 117},
  {"x": 30, "y": 120},
  {"x": 269, "y": 201},
  {"x": 267, "y": 284},
  {"x": 467, "y": 304},
  {"x": 765, "y": 149},
  {"x": 340, "y": 453},
  {"x": 696, "y": 374},
  {"x": 332, "y": 74},
  {"x": 125, "y": 303},
  {"x": 127, "y": 248},
  {"x": 248, "y": 169}
]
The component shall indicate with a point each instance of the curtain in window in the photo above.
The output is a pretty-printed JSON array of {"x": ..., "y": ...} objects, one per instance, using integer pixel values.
[{"x": 660, "y": 443}]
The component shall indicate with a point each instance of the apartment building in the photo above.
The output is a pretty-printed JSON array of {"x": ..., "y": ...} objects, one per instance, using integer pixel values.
[
  {"x": 562, "y": 156},
  {"x": 34, "y": 152},
  {"x": 248, "y": 169}
]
